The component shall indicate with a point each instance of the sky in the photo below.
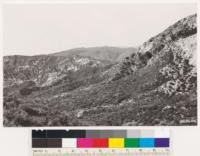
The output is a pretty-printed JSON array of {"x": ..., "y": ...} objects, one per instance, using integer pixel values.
[{"x": 31, "y": 29}]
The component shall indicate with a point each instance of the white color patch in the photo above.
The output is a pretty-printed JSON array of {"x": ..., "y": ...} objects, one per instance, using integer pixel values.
[
  {"x": 69, "y": 142},
  {"x": 162, "y": 133}
]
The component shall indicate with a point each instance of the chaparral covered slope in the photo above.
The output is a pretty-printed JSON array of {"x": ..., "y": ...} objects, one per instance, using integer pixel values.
[{"x": 156, "y": 85}]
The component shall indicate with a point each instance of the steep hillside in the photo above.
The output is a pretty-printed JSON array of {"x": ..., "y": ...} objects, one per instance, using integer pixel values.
[
  {"x": 112, "y": 54},
  {"x": 181, "y": 35},
  {"x": 171, "y": 57},
  {"x": 44, "y": 70},
  {"x": 157, "y": 85}
]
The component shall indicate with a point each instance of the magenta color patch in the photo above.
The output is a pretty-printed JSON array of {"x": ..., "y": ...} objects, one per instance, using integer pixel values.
[{"x": 84, "y": 143}]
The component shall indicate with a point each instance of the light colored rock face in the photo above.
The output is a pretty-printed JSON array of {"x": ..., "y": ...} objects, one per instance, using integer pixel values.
[
  {"x": 183, "y": 70},
  {"x": 189, "y": 47}
]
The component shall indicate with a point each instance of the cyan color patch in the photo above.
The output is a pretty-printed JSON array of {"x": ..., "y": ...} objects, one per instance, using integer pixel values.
[{"x": 147, "y": 142}]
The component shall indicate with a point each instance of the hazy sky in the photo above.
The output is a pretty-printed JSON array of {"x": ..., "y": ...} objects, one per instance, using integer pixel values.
[{"x": 45, "y": 28}]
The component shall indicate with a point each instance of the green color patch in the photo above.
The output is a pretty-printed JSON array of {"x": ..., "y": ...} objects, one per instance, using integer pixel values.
[{"x": 131, "y": 142}]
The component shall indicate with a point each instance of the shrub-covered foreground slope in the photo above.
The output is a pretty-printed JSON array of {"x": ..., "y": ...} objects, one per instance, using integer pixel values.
[{"x": 157, "y": 85}]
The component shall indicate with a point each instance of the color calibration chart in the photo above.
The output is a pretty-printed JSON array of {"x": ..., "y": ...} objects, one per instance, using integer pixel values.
[{"x": 101, "y": 142}]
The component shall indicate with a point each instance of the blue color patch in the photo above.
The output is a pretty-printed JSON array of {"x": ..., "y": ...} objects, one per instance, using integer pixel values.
[{"x": 147, "y": 142}]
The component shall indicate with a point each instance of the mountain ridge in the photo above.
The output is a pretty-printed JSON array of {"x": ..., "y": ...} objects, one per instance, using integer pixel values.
[
  {"x": 155, "y": 85},
  {"x": 113, "y": 54}
]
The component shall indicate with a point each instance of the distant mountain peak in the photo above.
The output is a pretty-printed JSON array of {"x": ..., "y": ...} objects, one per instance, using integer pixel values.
[{"x": 107, "y": 53}]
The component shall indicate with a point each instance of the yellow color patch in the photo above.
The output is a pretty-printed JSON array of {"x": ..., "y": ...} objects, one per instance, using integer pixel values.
[{"x": 116, "y": 142}]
